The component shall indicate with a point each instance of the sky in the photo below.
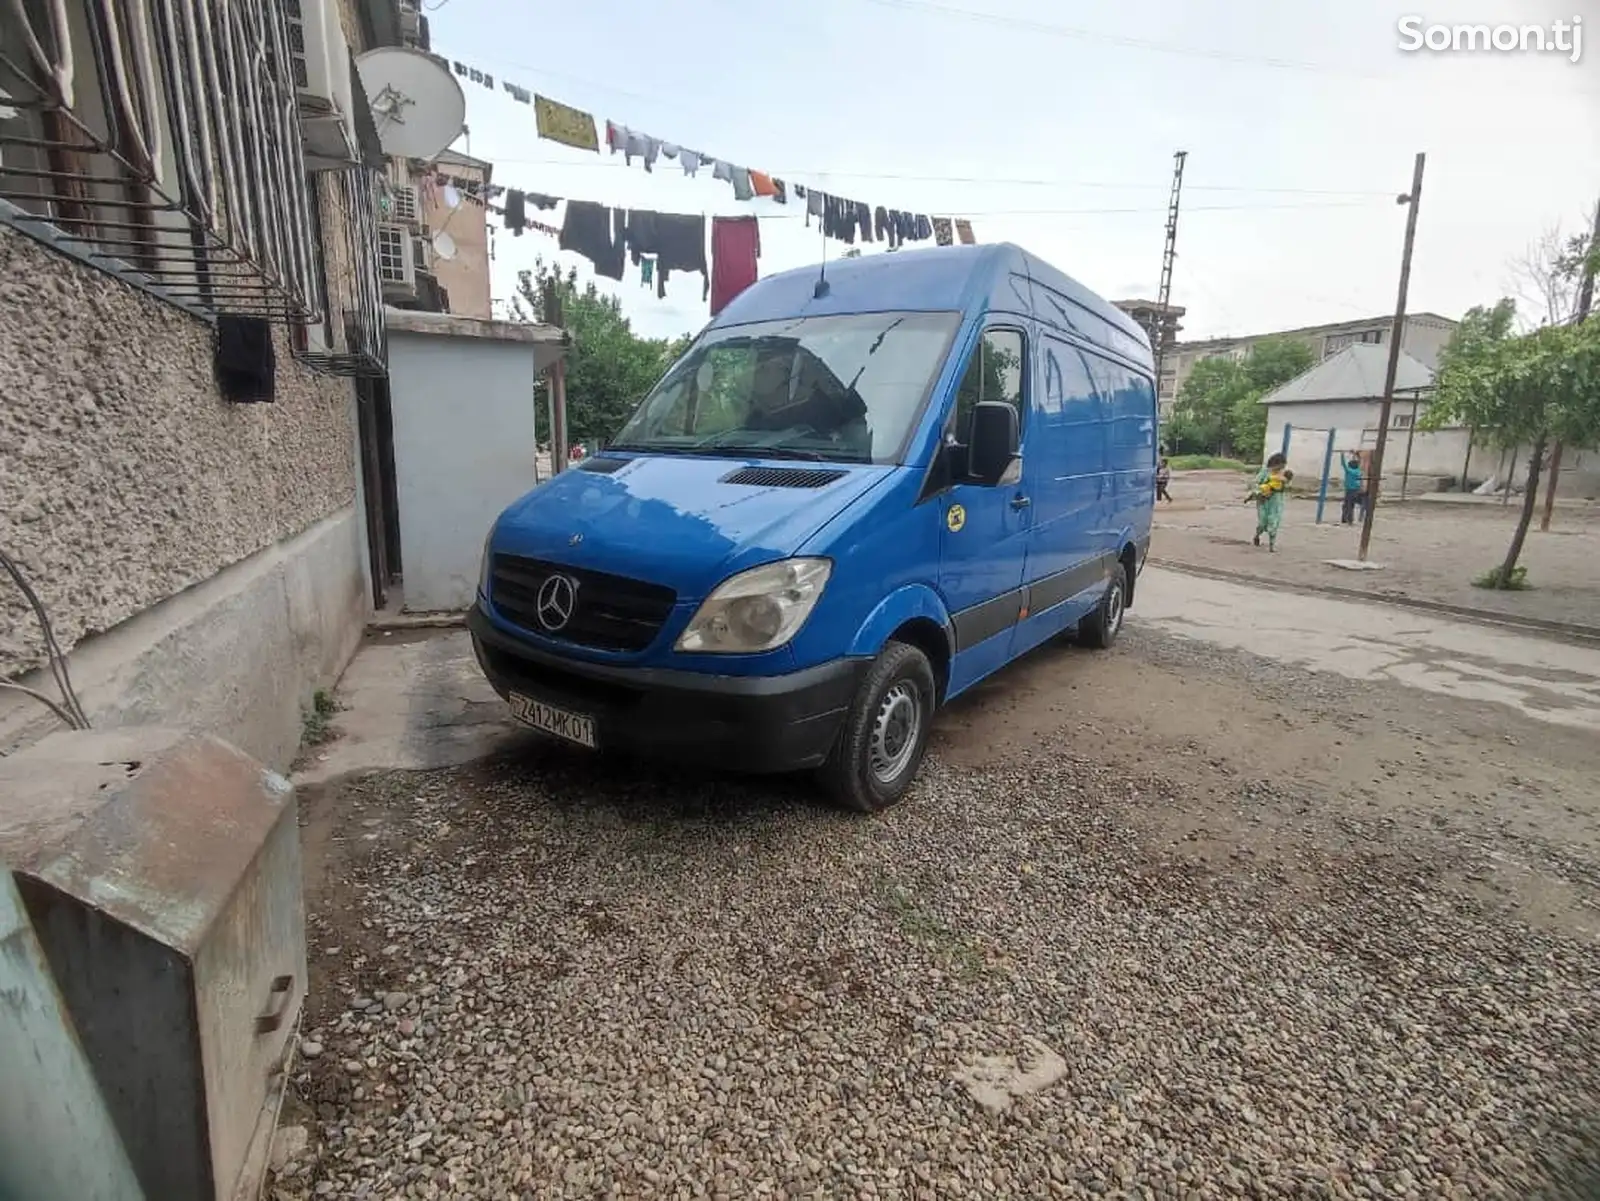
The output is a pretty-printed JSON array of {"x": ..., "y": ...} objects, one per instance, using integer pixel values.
[{"x": 1054, "y": 127}]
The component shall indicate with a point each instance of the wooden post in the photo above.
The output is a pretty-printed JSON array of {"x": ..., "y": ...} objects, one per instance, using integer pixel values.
[
  {"x": 1413, "y": 201},
  {"x": 1411, "y": 436},
  {"x": 1327, "y": 468}
]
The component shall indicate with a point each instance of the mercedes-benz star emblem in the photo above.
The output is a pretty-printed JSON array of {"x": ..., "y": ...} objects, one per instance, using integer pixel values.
[{"x": 558, "y": 597}]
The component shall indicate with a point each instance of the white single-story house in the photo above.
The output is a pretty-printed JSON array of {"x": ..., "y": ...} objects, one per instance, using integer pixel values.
[{"x": 1344, "y": 394}]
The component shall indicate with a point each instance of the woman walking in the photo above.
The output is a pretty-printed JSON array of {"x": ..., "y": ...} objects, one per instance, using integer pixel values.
[{"x": 1268, "y": 494}]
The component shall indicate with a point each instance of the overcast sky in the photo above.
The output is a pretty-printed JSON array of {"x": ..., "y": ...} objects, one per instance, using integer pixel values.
[{"x": 1054, "y": 126}]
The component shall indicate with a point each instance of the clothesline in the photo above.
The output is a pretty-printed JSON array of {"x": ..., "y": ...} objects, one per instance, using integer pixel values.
[{"x": 576, "y": 128}]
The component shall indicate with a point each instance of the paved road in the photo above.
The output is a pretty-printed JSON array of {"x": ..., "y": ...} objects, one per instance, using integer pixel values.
[{"x": 1542, "y": 679}]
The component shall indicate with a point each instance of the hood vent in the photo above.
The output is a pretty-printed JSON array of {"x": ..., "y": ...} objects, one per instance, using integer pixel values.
[
  {"x": 603, "y": 466},
  {"x": 782, "y": 477}
]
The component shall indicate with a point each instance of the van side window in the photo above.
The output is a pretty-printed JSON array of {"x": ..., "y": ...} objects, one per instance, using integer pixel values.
[{"x": 994, "y": 372}]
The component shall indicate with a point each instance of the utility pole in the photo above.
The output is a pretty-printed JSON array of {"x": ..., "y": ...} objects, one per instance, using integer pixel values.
[
  {"x": 1168, "y": 254},
  {"x": 1413, "y": 199},
  {"x": 1585, "y": 299}
]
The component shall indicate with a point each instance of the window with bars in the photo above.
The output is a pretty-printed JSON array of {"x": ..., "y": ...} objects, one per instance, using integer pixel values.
[
  {"x": 395, "y": 262},
  {"x": 160, "y": 141}
]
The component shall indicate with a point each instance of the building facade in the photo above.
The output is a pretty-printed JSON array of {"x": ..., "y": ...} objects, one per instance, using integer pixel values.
[
  {"x": 190, "y": 315},
  {"x": 1425, "y": 335},
  {"x": 1161, "y": 323}
]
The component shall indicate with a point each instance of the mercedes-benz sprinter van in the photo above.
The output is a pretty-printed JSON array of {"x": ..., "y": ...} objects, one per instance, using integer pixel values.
[{"x": 860, "y": 491}]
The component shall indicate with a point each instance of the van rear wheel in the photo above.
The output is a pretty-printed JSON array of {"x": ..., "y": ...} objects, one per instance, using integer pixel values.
[
  {"x": 885, "y": 732},
  {"x": 1100, "y": 628}
]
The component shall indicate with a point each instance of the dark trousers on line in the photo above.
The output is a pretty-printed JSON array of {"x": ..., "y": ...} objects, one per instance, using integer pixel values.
[{"x": 1354, "y": 498}]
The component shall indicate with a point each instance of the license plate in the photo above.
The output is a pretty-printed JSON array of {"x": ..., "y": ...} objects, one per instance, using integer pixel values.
[{"x": 563, "y": 723}]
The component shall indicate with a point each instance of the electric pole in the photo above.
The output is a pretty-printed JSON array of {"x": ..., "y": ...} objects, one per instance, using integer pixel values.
[
  {"x": 1413, "y": 199},
  {"x": 1168, "y": 254},
  {"x": 1585, "y": 299}
]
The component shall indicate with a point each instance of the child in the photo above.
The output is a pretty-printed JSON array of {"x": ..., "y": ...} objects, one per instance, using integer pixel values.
[
  {"x": 1163, "y": 478},
  {"x": 1268, "y": 493}
]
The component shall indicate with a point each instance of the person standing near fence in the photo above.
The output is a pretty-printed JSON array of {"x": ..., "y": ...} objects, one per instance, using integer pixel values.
[{"x": 1355, "y": 494}]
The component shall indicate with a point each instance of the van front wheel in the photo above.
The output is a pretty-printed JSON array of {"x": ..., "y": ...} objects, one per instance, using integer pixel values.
[
  {"x": 885, "y": 731},
  {"x": 1100, "y": 628}
]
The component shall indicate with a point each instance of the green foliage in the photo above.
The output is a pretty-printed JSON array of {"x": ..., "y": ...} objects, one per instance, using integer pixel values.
[
  {"x": 1208, "y": 463},
  {"x": 609, "y": 367},
  {"x": 1517, "y": 581},
  {"x": 1219, "y": 407},
  {"x": 316, "y": 723}
]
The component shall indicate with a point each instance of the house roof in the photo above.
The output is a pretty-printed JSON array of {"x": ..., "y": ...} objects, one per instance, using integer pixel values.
[{"x": 1355, "y": 373}]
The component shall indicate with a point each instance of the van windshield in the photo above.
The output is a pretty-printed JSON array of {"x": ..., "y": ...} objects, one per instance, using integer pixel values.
[{"x": 844, "y": 388}]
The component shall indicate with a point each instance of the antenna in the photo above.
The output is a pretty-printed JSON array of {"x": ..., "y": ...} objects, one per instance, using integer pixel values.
[
  {"x": 1168, "y": 254},
  {"x": 416, "y": 103},
  {"x": 821, "y": 290}
]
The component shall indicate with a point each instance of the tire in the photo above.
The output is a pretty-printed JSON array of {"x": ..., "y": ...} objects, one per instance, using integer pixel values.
[
  {"x": 1100, "y": 628},
  {"x": 877, "y": 756}
]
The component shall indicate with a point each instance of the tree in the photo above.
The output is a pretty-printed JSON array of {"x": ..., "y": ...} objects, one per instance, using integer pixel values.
[
  {"x": 1534, "y": 389},
  {"x": 609, "y": 367},
  {"x": 1219, "y": 406},
  {"x": 1549, "y": 275}
]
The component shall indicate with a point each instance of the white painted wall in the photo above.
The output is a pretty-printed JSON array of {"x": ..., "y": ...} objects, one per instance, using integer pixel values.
[{"x": 463, "y": 450}]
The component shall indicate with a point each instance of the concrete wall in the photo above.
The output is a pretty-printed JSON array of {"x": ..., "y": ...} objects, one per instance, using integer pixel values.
[
  {"x": 129, "y": 485},
  {"x": 463, "y": 449},
  {"x": 1440, "y": 453}
]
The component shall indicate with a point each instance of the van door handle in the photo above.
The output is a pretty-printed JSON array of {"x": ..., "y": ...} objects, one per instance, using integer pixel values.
[{"x": 1020, "y": 502}]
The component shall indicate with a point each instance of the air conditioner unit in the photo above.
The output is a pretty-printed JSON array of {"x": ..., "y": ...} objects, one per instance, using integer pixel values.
[
  {"x": 410, "y": 21},
  {"x": 320, "y": 57},
  {"x": 407, "y": 205},
  {"x": 397, "y": 261}
]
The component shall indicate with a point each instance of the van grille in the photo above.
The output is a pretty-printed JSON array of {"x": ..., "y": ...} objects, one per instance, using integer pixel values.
[
  {"x": 782, "y": 477},
  {"x": 610, "y": 612},
  {"x": 602, "y": 466}
]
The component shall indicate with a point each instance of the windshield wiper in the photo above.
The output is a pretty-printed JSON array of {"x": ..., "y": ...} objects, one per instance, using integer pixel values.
[{"x": 759, "y": 451}]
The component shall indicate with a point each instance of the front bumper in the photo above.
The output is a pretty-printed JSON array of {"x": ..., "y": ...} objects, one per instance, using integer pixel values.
[{"x": 741, "y": 723}]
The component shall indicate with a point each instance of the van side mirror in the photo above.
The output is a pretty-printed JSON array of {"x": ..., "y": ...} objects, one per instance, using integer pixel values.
[{"x": 995, "y": 440}]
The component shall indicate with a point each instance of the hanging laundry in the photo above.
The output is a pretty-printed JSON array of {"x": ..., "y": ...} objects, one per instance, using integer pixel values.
[
  {"x": 780, "y": 191},
  {"x": 924, "y": 228},
  {"x": 647, "y": 272},
  {"x": 669, "y": 150},
  {"x": 540, "y": 201},
  {"x": 474, "y": 74},
  {"x": 545, "y": 229},
  {"x": 943, "y": 235},
  {"x": 521, "y": 95},
  {"x": 460, "y": 70},
  {"x": 677, "y": 240},
  {"x": 884, "y": 226},
  {"x": 516, "y": 212},
  {"x": 597, "y": 233},
  {"x": 964, "y": 231},
  {"x": 816, "y": 203},
  {"x": 569, "y": 126},
  {"x": 690, "y": 161},
  {"x": 761, "y": 184},
  {"x": 735, "y": 247},
  {"x": 630, "y": 142},
  {"x": 864, "y": 220},
  {"x": 839, "y": 220}
]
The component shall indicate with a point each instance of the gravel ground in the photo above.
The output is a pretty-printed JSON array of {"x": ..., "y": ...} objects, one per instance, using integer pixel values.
[{"x": 1108, "y": 950}]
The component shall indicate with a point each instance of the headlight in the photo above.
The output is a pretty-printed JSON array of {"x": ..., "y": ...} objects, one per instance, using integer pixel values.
[
  {"x": 757, "y": 610},
  {"x": 483, "y": 567}
]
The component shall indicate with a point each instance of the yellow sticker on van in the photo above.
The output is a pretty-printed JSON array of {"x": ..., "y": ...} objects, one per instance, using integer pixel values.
[{"x": 955, "y": 518}]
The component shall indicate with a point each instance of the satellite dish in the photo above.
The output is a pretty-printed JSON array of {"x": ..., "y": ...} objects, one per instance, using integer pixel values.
[
  {"x": 416, "y": 103},
  {"x": 452, "y": 198},
  {"x": 444, "y": 245}
]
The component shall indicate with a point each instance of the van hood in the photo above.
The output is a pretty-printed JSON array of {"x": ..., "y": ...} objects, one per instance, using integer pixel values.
[{"x": 677, "y": 520}]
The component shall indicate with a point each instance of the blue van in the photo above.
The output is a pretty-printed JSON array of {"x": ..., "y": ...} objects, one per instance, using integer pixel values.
[{"x": 859, "y": 492}]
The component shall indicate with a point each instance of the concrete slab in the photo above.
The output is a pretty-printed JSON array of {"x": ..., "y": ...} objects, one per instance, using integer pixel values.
[
  {"x": 410, "y": 701},
  {"x": 1549, "y": 681}
]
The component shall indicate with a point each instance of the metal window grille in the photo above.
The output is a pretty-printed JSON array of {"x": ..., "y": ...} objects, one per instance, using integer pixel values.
[
  {"x": 352, "y": 338},
  {"x": 394, "y": 246},
  {"x": 162, "y": 138}
]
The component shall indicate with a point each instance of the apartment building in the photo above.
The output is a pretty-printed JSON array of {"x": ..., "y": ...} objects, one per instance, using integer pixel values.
[
  {"x": 1425, "y": 335},
  {"x": 191, "y": 337},
  {"x": 1161, "y": 323}
]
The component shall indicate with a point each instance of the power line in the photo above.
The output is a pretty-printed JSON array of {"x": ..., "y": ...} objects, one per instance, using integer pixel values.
[{"x": 785, "y": 172}]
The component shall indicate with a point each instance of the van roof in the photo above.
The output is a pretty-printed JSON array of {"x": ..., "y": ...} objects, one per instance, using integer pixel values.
[{"x": 936, "y": 279}]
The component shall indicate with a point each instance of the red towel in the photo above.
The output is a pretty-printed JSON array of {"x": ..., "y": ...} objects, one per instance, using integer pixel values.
[{"x": 735, "y": 247}]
